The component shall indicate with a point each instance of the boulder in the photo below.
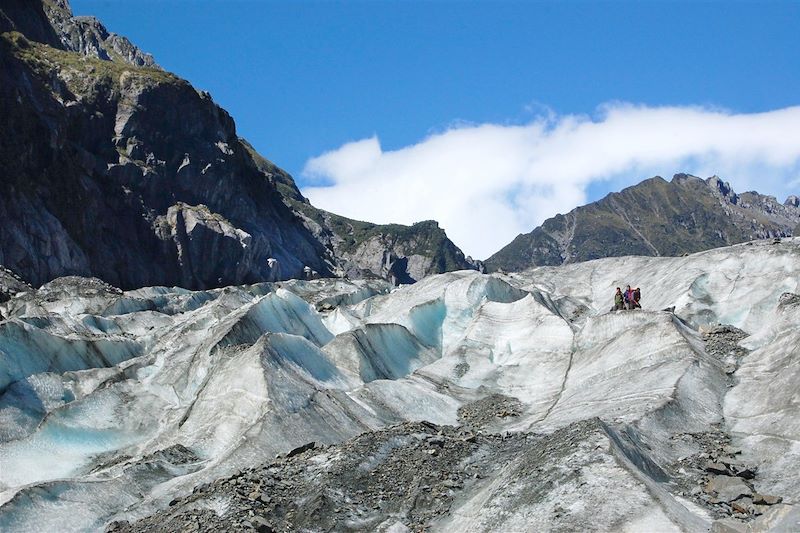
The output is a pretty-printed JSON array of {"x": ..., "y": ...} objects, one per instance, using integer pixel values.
[
  {"x": 744, "y": 506},
  {"x": 766, "y": 499},
  {"x": 716, "y": 468},
  {"x": 728, "y": 488},
  {"x": 301, "y": 449}
]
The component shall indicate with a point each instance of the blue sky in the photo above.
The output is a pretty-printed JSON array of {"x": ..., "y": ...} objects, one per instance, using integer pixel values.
[{"x": 305, "y": 78}]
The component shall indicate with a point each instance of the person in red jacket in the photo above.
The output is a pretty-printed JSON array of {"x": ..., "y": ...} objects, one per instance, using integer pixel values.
[{"x": 628, "y": 297}]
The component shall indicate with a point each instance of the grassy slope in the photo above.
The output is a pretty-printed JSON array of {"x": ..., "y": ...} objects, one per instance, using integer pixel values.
[{"x": 86, "y": 71}]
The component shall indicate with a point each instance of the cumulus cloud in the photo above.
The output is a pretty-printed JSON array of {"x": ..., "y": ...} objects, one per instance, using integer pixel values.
[{"x": 487, "y": 183}]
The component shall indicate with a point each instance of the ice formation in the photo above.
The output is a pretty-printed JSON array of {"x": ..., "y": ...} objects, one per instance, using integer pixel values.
[{"x": 101, "y": 390}]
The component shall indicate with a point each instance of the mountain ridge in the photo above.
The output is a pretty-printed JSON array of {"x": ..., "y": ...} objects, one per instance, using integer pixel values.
[{"x": 654, "y": 217}]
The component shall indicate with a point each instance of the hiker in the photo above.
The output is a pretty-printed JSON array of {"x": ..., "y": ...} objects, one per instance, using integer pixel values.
[
  {"x": 618, "y": 300},
  {"x": 628, "y": 297},
  {"x": 637, "y": 295}
]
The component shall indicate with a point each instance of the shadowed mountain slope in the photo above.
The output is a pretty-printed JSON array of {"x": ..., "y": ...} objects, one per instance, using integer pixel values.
[{"x": 112, "y": 167}]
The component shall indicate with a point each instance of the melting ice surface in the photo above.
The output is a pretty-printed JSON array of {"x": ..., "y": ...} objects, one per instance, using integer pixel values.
[{"x": 112, "y": 404}]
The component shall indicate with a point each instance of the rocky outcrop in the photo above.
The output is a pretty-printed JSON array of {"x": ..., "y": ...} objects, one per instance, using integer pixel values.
[
  {"x": 10, "y": 285},
  {"x": 87, "y": 36},
  {"x": 197, "y": 234},
  {"x": 401, "y": 254},
  {"x": 656, "y": 218},
  {"x": 111, "y": 167}
]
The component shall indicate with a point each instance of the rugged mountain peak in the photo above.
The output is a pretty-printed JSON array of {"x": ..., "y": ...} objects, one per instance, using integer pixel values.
[
  {"x": 682, "y": 177},
  {"x": 656, "y": 217},
  {"x": 723, "y": 187},
  {"x": 87, "y": 36}
]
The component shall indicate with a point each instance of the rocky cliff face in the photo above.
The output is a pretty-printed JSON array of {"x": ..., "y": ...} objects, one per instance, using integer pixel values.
[
  {"x": 655, "y": 218},
  {"x": 401, "y": 254},
  {"x": 89, "y": 37},
  {"x": 111, "y": 167}
]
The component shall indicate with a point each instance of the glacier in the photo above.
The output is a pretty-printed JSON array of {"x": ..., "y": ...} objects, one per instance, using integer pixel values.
[{"x": 115, "y": 404}]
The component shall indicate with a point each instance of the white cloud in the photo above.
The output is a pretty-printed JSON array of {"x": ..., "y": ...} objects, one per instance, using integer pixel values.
[{"x": 487, "y": 183}]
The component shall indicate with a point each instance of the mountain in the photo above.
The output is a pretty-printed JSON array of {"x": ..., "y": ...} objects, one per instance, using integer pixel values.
[
  {"x": 655, "y": 217},
  {"x": 464, "y": 402},
  {"x": 112, "y": 167},
  {"x": 402, "y": 254}
]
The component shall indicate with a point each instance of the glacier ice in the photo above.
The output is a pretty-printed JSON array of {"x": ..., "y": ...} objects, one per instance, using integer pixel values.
[{"x": 99, "y": 387}]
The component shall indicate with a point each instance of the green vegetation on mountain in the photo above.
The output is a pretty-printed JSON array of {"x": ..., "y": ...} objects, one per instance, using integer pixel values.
[{"x": 80, "y": 73}]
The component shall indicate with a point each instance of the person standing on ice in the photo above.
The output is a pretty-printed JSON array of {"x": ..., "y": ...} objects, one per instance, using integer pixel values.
[
  {"x": 628, "y": 297},
  {"x": 637, "y": 295},
  {"x": 618, "y": 300}
]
